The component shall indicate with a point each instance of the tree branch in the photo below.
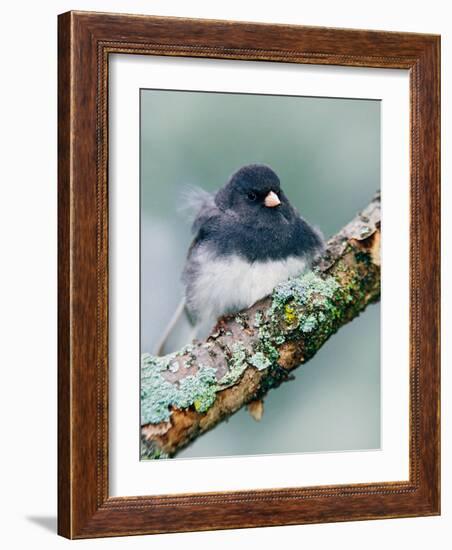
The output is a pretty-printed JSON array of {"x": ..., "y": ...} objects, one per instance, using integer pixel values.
[{"x": 187, "y": 393}]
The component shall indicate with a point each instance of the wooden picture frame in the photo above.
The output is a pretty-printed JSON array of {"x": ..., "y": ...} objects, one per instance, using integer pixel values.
[{"x": 85, "y": 42}]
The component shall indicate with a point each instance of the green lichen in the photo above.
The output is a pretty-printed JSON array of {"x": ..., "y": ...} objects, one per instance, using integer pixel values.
[
  {"x": 309, "y": 323},
  {"x": 260, "y": 361},
  {"x": 307, "y": 289},
  {"x": 268, "y": 341},
  {"x": 204, "y": 402},
  {"x": 299, "y": 304},
  {"x": 237, "y": 365},
  {"x": 257, "y": 319},
  {"x": 198, "y": 390},
  {"x": 158, "y": 395},
  {"x": 311, "y": 306}
]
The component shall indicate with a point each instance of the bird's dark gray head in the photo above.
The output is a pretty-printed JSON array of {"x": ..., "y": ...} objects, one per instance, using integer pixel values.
[{"x": 254, "y": 194}]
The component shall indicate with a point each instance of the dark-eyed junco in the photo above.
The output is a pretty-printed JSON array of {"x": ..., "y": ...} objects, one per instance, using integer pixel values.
[{"x": 248, "y": 238}]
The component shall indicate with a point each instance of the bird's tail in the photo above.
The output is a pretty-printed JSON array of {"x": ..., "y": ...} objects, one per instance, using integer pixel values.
[{"x": 179, "y": 332}]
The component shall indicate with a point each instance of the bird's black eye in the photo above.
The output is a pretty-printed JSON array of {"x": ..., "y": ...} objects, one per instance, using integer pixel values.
[{"x": 252, "y": 196}]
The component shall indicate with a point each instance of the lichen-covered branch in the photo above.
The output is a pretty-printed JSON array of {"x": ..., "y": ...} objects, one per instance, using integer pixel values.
[{"x": 187, "y": 393}]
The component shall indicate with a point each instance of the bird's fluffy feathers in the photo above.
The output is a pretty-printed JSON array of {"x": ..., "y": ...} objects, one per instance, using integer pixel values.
[{"x": 199, "y": 206}]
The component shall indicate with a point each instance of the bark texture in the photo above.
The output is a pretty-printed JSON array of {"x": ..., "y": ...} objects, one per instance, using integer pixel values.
[{"x": 187, "y": 393}]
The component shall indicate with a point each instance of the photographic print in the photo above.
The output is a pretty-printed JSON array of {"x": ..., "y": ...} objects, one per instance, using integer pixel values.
[
  {"x": 260, "y": 274},
  {"x": 224, "y": 360}
]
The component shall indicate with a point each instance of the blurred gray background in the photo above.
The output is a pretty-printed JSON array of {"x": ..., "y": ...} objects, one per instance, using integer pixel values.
[{"x": 326, "y": 152}]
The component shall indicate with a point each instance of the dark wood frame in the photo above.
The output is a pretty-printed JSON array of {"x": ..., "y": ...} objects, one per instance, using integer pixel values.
[{"x": 85, "y": 41}]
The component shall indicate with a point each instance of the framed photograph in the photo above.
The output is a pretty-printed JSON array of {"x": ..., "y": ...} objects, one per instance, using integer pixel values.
[{"x": 248, "y": 275}]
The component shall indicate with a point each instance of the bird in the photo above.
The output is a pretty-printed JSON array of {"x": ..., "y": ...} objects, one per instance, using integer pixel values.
[{"x": 248, "y": 238}]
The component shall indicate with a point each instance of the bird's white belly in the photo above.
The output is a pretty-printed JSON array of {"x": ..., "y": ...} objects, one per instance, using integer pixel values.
[{"x": 227, "y": 285}]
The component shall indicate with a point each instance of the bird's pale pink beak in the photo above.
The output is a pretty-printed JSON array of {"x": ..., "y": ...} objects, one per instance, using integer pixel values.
[{"x": 272, "y": 200}]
